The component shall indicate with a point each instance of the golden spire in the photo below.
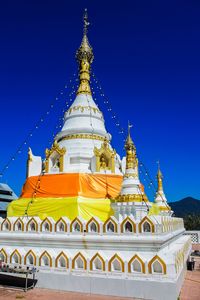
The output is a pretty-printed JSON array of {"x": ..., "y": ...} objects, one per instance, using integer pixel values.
[
  {"x": 159, "y": 179},
  {"x": 84, "y": 56},
  {"x": 131, "y": 159}
]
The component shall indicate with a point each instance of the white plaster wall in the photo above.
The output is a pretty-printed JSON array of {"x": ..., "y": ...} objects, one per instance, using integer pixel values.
[{"x": 125, "y": 287}]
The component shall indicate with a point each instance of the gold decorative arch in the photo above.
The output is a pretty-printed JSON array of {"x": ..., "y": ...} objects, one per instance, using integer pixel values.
[
  {"x": 156, "y": 257},
  {"x": 92, "y": 220},
  {"x": 26, "y": 256},
  {"x": 5, "y": 254},
  {"x": 127, "y": 219},
  {"x": 105, "y": 157},
  {"x": 65, "y": 257},
  {"x": 55, "y": 148},
  {"x": 112, "y": 221},
  {"x": 63, "y": 221},
  {"x": 49, "y": 257},
  {"x": 146, "y": 219},
  {"x": 101, "y": 259},
  {"x": 9, "y": 223},
  {"x": 30, "y": 221},
  {"x": 20, "y": 221},
  {"x": 18, "y": 254},
  {"x": 79, "y": 222},
  {"x": 115, "y": 256},
  {"x": 46, "y": 220},
  {"x": 136, "y": 257},
  {"x": 82, "y": 257}
]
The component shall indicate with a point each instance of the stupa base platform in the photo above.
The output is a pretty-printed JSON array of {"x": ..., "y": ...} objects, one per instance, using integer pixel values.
[
  {"x": 155, "y": 289},
  {"x": 107, "y": 258}
]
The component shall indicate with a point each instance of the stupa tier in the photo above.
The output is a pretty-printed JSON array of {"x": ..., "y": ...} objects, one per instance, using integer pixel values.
[{"x": 83, "y": 218}]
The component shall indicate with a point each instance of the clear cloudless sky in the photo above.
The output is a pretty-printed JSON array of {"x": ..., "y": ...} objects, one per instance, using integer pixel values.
[{"x": 147, "y": 59}]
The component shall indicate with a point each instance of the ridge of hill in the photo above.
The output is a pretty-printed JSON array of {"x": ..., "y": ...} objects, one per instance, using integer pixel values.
[{"x": 186, "y": 206}]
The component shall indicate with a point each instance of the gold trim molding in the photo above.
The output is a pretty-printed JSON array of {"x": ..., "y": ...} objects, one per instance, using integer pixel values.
[
  {"x": 132, "y": 198},
  {"x": 160, "y": 260},
  {"x": 83, "y": 136}
]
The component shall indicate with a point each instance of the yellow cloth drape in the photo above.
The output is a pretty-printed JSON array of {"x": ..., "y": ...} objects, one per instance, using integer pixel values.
[{"x": 70, "y": 207}]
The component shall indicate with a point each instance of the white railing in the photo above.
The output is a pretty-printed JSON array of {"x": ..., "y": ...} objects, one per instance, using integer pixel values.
[{"x": 195, "y": 236}]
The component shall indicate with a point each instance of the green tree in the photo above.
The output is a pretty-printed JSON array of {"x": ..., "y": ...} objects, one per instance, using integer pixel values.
[{"x": 192, "y": 222}]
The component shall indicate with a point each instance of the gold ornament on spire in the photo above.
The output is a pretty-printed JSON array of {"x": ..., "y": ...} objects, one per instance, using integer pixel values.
[
  {"x": 131, "y": 159},
  {"x": 159, "y": 179},
  {"x": 84, "y": 56}
]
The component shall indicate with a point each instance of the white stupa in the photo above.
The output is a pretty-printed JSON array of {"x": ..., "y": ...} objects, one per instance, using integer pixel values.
[{"x": 133, "y": 253}]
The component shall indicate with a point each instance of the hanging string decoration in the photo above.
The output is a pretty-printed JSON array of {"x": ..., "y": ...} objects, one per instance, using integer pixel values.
[
  {"x": 151, "y": 183},
  {"x": 114, "y": 117},
  {"x": 67, "y": 102},
  {"x": 38, "y": 124},
  {"x": 109, "y": 108}
]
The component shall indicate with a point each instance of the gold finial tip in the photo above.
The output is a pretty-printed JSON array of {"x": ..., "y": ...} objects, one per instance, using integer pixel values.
[
  {"x": 85, "y": 50},
  {"x": 129, "y": 127},
  {"x": 159, "y": 174},
  {"x": 85, "y": 22},
  {"x": 129, "y": 141}
]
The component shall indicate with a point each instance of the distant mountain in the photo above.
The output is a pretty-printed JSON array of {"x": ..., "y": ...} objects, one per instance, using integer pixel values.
[{"x": 186, "y": 206}]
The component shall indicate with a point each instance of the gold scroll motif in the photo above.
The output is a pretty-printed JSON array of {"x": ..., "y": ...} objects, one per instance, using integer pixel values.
[
  {"x": 82, "y": 108},
  {"x": 132, "y": 198}
]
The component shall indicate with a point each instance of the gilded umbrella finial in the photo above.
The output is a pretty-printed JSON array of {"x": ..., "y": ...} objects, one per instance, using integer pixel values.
[
  {"x": 131, "y": 160},
  {"x": 84, "y": 56},
  {"x": 159, "y": 177}
]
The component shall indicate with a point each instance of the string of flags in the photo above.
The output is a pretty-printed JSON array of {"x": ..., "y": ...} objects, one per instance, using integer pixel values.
[
  {"x": 147, "y": 177},
  {"x": 114, "y": 116},
  {"x": 151, "y": 183},
  {"x": 59, "y": 122},
  {"x": 39, "y": 123},
  {"x": 72, "y": 87}
]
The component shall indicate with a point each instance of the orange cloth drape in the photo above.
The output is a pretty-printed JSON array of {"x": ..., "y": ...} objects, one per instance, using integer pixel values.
[{"x": 72, "y": 184}]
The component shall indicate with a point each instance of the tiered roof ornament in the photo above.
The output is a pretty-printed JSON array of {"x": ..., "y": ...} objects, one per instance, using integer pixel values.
[
  {"x": 131, "y": 160},
  {"x": 132, "y": 198},
  {"x": 160, "y": 198},
  {"x": 132, "y": 190}
]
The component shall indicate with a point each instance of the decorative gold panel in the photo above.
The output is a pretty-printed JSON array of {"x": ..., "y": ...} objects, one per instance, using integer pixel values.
[
  {"x": 105, "y": 157},
  {"x": 61, "y": 151}
]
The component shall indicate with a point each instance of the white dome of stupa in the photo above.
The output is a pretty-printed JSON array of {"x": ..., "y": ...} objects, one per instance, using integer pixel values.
[{"x": 83, "y": 117}]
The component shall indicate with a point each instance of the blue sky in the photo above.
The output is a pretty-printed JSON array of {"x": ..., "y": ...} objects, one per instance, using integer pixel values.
[{"x": 146, "y": 59}]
